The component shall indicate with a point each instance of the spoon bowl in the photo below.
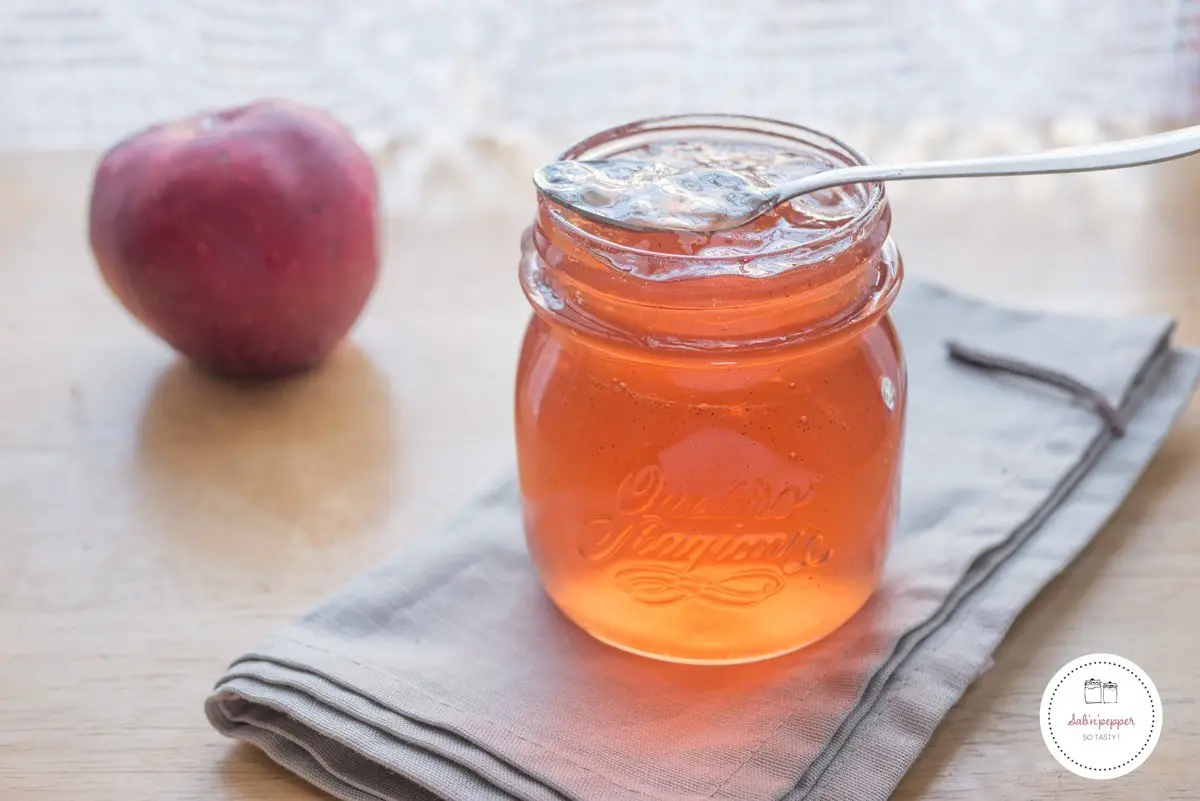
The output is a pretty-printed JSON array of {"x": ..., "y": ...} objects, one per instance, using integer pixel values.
[{"x": 645, "y": 195}]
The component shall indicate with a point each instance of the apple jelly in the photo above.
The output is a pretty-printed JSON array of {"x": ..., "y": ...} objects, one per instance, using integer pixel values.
[{"x": 709, "y": 425}]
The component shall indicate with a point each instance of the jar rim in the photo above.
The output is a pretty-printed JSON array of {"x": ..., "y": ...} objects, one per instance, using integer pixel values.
[{"x": 629, "y": 133}]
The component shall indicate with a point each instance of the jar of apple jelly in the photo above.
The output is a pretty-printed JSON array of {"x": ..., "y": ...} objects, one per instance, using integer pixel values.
[{"x": 709, "y": 425}]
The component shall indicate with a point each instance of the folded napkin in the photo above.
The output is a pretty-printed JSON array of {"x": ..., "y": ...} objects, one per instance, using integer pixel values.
[{"x": 447, "y": 674}]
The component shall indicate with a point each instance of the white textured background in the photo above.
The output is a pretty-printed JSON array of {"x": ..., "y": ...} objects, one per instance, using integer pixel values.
[{"x": 489, "y": 86}]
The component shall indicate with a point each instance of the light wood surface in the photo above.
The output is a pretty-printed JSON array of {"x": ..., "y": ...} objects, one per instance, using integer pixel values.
[{"x": 154, "y": 524}]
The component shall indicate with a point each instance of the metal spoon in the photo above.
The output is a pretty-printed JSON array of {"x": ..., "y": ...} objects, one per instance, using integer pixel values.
[{"x": 644, "y": 196}]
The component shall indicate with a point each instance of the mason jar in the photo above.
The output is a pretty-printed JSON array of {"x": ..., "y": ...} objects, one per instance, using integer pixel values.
[{"x": 709, "y": 425}]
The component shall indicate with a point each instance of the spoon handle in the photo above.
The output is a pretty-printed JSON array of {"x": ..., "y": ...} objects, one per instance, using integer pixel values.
[{"x": 1107, "y": 156}]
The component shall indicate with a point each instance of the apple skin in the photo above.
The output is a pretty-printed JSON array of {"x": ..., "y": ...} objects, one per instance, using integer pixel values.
[{"x": 246, "y": 238}]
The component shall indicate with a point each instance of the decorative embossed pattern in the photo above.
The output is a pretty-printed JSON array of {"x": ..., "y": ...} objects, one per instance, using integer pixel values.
[
  {"x": 662, "y": 541},
  {"x": 665, "y": 585}
]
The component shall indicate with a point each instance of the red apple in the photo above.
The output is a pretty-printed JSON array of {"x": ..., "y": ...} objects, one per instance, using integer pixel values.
[{"x": 246, "y": 238}]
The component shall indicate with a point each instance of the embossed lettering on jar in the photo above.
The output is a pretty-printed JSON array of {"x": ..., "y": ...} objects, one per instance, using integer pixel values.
[{"x": 709, "y": 426}]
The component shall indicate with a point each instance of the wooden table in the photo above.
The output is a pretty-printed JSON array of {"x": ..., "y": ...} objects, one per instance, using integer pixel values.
[{"x": 154, "y": 524}]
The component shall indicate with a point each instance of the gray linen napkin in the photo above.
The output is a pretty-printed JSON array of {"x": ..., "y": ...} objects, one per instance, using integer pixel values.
[{"x": 447, "y": 674}]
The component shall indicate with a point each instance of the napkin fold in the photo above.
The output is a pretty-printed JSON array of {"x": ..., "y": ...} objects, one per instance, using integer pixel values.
[{"x": 448, "y": 674}]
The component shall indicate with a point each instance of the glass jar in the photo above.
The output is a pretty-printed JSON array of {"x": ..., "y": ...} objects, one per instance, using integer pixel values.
[{"x": 709, "y": 426}]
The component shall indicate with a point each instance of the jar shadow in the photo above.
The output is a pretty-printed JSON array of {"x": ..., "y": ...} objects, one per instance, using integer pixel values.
[
  {"x": 678, "y": 706},
  {"x": 260, "y": 473}
]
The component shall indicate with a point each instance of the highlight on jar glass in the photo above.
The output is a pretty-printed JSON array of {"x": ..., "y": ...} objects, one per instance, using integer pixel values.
[{"x": 710, "y": 424}]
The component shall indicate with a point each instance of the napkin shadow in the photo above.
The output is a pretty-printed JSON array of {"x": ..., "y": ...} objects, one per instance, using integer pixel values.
[
  {"x": 246, "y": 773},
  {"x": 236, "y": 471}
]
